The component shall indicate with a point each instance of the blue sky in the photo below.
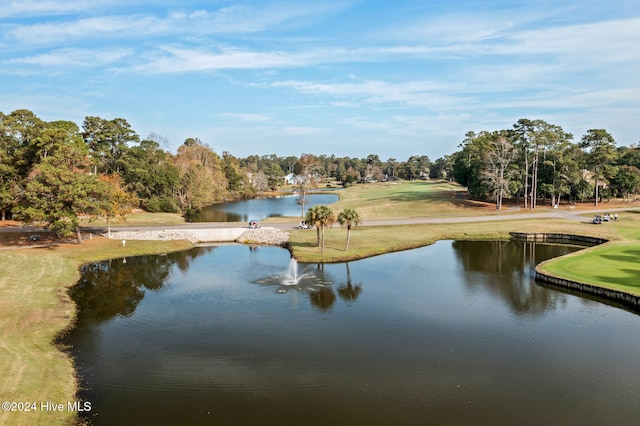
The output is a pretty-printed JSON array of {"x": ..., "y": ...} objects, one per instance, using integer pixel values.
[{"x": 350, "y": 78}]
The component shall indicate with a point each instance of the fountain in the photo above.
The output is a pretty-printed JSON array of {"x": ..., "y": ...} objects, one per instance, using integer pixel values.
[
  {"x": 309, "y": 281},
  {"x": 292, "y": 278}
]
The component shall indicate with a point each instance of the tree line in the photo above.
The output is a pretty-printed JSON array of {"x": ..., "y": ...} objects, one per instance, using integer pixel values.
[
  {"x": 536, "y": 160},
  {"x": 51, "y": 173}
]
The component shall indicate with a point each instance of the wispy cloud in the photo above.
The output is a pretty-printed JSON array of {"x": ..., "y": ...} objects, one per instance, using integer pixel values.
[
  {"x": 114, "y": 27},
  {"x": 336, "y": 70},
  {"x": 24, "y": 8},
  {"x": 613, "y": 40},
  {"x": 302, "y": 131},
  {"x": 414, "y": 93},
  {"x": 237, "y": 19},
  {"x": 74, "y": 58},
  {"x": 173, "y": 59},
  {"x": 178, "y": 59},
  {"x": 253, "y": 118}
]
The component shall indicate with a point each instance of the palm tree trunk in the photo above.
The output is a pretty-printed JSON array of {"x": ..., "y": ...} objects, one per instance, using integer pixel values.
[
  {"x": 322, "y": 239},
  {"x": 346, "y": 248}
]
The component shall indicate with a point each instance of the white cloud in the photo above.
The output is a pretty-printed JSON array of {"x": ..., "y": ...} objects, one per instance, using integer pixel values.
[
  {"x": 543, "y": 52},
  {"x": 43, "y": 7},
  {"x": 186, "y": 60},
  {"x": 174, "y": 59},
  {"x": 414, "y": 93},
  {"x": 452, "y": 29},
  {"x": 237, "y": 19},
  {"x": 254, "y": 118},
  {"x": 73, "y": 58},
  {"x": 302, "y": 131},
  {"x": 598, "y": 42},
  {"x": 83, "y": 29}
]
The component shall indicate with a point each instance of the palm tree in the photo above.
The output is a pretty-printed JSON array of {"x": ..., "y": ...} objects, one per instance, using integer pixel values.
[
  {"x": 312, "y": 218},
  {"x": 321, "y": 217},
  {"x": 326, "y": 219},
  {"x": 349, "y": 217}
]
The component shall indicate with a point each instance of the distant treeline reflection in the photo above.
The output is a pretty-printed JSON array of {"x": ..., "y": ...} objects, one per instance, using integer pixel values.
[{"x": 116, "y": 287}]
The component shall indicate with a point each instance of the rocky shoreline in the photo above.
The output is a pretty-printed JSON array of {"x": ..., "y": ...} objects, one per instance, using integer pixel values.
[
  {"x": 152, "y": 236},
  {"x": 267, "y": 236}
]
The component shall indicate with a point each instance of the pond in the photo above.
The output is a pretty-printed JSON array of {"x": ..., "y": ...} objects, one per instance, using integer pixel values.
[
  {"x": 456, "y": 333},
  {"x": 261, "y": 208}
]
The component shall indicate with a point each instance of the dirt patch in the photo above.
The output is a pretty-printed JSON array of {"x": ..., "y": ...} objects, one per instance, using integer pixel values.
[{"x": 10, "y": 223}]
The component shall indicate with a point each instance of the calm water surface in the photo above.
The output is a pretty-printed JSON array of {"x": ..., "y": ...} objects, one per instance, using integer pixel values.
[
  {"x": 261, "y": 208},
  {"x": 456, "y": 333}
]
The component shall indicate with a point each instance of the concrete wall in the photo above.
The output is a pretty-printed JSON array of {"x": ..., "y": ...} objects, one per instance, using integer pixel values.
[{"x": 605, "y": 293}]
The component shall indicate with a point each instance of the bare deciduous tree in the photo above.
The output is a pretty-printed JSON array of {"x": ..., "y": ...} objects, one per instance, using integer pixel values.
[{"x": 496, "y": 172}]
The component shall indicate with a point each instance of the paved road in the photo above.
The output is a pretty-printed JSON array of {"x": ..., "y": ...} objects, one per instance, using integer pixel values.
[
  {"x": 506, "y": 215},
  {"x": 579, "y": 215}
]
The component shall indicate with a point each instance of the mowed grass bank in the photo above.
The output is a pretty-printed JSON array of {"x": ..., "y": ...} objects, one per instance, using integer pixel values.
[
  {"x": 374, "y": 240},
  {"x": 613, "y": 265},
  {"x": 34, "y": 310}
]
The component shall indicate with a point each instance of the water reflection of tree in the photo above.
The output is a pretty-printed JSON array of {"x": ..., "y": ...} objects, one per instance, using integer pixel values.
[
  {"x": 504, "y": 269},
  {"x": 325, "y": 298},
  {"x": 116, "y": 287},
  {"x": 348, "y": 292}
]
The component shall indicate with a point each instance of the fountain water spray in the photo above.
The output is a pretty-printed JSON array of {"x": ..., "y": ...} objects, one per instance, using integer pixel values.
[
  {"x": 291, "y": 278},
  {"x": 307, "y": 281}
]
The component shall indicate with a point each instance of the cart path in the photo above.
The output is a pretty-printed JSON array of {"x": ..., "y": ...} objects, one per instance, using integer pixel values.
[{"x": 548, "y": 214}]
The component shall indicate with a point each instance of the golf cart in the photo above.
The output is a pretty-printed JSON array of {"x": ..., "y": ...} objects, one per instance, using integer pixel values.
[{"x": 304, "y": 225}]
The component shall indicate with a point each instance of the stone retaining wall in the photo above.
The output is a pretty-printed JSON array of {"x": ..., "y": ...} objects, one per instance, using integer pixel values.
[
  {"x": 557, "y": 238},
  {"x": 617, "y": 296}
]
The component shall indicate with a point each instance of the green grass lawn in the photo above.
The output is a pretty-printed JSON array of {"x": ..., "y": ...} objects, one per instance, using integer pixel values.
[
  {"x": 613, "y": 265},
  {"x": 139, "y": 218},
  {"x": 403, "y": 200}
]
